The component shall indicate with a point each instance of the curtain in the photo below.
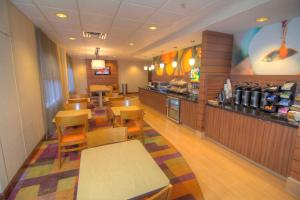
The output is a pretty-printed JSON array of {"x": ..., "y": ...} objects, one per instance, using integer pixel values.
[
  {"x": 70, "y": 75},
  {"x": 50, "y": 79}
]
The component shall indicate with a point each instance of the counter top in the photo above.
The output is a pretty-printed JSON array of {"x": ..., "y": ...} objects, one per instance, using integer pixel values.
[
  {"x": 183, "y": 97},
  {"x": 258, "y": 114}
]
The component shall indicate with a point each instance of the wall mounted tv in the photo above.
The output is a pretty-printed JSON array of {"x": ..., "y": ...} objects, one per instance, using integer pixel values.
[{"x": 104, "y": 71}]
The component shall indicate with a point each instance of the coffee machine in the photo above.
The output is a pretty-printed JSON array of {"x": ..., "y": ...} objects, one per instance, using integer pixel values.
[
  {"x": 246, "y": 96},
  {"x": 238, "y": 95},
  {"x": 255, "y": 97}
]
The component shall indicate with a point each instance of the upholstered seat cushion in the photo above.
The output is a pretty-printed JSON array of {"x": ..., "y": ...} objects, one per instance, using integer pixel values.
[{"x": 73, "y": 138}]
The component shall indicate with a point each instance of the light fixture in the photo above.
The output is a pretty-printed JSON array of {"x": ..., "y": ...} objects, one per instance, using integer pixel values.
[
  {"x": 161, "y": 65},
  {"x": 146, "y": 68},
  {"x": 262, "y": 19},
  {"x": 131, "y": 44},
  {"x": 152, "y": 28},
  {"x": 152, "y": 67},
  {"x": 61, "y": 15},
  {"x": 192, "y": 61},
  {"x": 97, "y": 63},
  {"x": 174, "y": 64},
  {"x": 72, "y": 38}
]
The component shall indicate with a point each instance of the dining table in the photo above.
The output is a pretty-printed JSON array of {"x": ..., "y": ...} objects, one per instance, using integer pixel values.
[
  {"x": 100, "y": 89},
  {"x": 119, "y": 171},
  {"x": 117, "y": 110},
  {"x": 70, "y": 113}
]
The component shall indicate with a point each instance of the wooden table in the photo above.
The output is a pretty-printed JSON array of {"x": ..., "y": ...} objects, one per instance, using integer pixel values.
[
  {"x": 68, "y": 113},
  {"x": 117, "y": 110},
  {"x": 104, "y": 136},
  {"x": 80, "y": 98},
  {"x": 118, "y": 171},
  {"x": 100, "y": 89}
]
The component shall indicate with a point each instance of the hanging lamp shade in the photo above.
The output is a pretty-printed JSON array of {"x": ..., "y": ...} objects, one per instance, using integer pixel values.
[{"x": 98, "y": 64}]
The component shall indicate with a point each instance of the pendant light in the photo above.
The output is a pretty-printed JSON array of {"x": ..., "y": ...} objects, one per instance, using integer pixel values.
[
  {"x": 146, "y": 68},
  {"x": 98, "y": 63}
]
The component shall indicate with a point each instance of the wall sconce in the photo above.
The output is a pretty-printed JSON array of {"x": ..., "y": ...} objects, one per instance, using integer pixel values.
[
  {"x": 174, "y": 64},
  {"x": 192, "y": 61},
  {"x": 146, "y": 68},
  {"x": 161, "y": 65}
]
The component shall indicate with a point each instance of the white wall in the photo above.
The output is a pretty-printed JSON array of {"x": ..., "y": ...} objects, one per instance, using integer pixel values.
[
  {"x": 132, "y": 72},
  {"x": 21, "y": 120},
  {"x": 27, "y": 76},
  {"x": 80, "y": 78}
]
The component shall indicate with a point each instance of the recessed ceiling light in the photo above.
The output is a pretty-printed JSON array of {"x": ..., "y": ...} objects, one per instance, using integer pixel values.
[
  {"x": 131, "y": 43},
  {"x": 152, "y": 28},
  {"x": 61, "y": 15},
  {"x": 262, "y": 19},
  {"x": 72, "y": 38}
]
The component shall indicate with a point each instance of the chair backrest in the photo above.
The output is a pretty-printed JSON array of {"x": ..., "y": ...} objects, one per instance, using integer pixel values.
[
  {"x": 164, "y": 194},
  {"x": 75, "y": 106},
  {"x": 80, "y": 100},
  {"x": 136, "y": 115},
  {"x": 71, "y": 121}
]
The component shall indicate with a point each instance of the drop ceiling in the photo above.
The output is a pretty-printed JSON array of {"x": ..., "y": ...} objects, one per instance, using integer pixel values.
[{"x": 127, "y": 21}]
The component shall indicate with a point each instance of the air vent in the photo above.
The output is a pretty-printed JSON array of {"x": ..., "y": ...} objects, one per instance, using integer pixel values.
[{"x": 87, "y": 34}]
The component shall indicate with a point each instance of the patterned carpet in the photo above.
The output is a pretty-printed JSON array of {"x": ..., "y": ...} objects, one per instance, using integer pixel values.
[{"x": 43, "y": 180}]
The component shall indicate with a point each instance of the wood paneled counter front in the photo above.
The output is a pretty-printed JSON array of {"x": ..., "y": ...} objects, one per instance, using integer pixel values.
[
  {"x": 270, "y": 144},
  {"x": 158, "y": 101}
]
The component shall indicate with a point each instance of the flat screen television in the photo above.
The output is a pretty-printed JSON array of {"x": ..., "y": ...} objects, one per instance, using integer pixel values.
[{"x": 104, "y": 71}]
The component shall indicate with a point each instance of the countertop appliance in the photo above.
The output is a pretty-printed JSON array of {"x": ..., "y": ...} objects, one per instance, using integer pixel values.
[
  {"x": 173, "y": 109},
  {"x": 238, "y": 95},
  {"x": 246, "y": 96},
  {"x": 255, "y": 97}
]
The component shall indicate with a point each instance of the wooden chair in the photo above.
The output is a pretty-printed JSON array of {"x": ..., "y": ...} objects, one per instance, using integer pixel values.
[
  {"x": 164, "y": 194},
  {"x": 133, "y": 120},
  {"x": 82, "y": 100},
  {"x": 75, "y": 106},
  {"x": 71, "y": 134}
]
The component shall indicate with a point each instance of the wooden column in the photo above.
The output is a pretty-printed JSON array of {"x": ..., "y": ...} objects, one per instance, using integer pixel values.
[{"x": 215, "y": 68}]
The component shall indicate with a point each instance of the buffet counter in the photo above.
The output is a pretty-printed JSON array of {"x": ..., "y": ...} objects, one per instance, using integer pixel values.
[
  {"x": 158, "y": 101},
  {"x": 258, "y": 114},
  {"x": 262, "y": 138},
  {"x": 179, "y": 96}
]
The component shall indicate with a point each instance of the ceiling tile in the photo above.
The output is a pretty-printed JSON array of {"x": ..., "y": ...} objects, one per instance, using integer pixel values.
[
  {"x": 103, "y": 7},
  {"x": 135, "y": 12},
  {"x": 151, "y": 3},
  {"x": 22, "y": 1},
  {"x": 30, "y": 10},
  {"x": 186, "y": 6},
  {"x": 96, "y": 21},
  {"x": 122, "y": 23},
  {"x": 73, "y": 16},
  {"x": 164, "y": 18},
  {"x": 59, "y": 4}
]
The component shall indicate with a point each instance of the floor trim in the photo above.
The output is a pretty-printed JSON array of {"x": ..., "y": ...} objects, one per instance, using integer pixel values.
[{"x": 5, "y": 194}]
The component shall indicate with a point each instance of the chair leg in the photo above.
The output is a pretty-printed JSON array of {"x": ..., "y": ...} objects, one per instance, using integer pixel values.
[{"x": 59, "y": 156}]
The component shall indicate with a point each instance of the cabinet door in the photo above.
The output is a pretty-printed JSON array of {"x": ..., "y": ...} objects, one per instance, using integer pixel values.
[
  {"x": 10, "y": 120},
  {"x": 188, "y": 113}
]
